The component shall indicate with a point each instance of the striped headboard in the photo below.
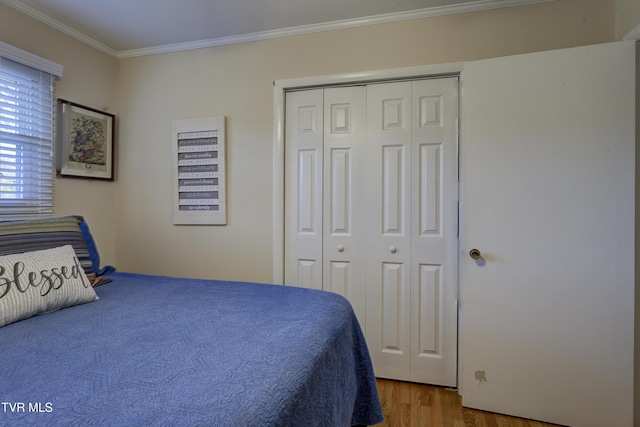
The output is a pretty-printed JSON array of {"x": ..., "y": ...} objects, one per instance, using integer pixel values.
[{"x": 47, "y": 233}]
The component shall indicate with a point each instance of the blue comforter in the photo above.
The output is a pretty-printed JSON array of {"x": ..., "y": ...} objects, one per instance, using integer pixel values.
[{"x": 162, "y": 351}]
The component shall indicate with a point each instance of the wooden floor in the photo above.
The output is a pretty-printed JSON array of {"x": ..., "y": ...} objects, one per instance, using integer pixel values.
[{"x": 417, "y": 405}]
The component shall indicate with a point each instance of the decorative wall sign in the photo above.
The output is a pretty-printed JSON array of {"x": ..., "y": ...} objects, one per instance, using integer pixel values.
[
  {"x": 86, "y": 142},
  {"x": 199, "y": 187}
]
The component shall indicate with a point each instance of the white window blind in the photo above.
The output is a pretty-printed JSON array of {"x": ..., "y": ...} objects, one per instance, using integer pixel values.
[{"x": 27, "y": 131}]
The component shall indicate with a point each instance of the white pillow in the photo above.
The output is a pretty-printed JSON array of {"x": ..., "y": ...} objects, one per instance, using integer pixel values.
[{"x": 41, "y": 281}]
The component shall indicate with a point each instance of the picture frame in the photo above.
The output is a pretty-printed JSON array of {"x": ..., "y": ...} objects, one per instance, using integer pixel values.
[
  {"x": 199, "y": 171},
  {"x": 85, "y": 142}
]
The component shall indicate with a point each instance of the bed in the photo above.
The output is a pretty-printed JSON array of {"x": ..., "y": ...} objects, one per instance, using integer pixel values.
[{"x": 164, "y": 351}]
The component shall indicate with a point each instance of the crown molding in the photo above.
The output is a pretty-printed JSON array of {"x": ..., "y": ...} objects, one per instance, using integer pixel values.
[
  {"x": 471, "y": 6},
  {"x": 39, "y": 16},
  {"x": 475, "y": 6}
]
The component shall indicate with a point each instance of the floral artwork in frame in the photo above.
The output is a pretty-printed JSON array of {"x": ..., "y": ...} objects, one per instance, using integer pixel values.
[{"x": 86, "y": 142}]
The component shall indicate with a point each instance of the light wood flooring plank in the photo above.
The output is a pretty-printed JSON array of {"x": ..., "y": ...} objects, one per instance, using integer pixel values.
[{"x": 417, "y": 405}]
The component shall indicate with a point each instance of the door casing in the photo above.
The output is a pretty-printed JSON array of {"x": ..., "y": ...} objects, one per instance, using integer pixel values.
[{"x": 280, "y": 89}]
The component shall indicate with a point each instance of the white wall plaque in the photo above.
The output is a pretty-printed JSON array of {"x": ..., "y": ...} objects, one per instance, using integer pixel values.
[{"x": 199, "y": 187}]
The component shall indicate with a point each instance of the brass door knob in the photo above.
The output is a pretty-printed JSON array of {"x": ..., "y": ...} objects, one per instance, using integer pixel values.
[{"x": 475, "y": 253}]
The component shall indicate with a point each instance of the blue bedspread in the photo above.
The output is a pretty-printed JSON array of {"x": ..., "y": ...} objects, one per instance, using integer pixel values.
[{"x": 161, "y": 351}]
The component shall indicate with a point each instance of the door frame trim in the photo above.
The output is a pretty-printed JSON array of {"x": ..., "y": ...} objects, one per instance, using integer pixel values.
[{"x": 280, "y": 87}]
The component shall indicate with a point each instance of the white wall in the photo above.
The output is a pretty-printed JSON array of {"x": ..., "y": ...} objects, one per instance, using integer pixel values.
[{"x": 236, "y": 82}]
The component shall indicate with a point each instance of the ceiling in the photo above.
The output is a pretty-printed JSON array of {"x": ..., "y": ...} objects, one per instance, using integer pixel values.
[{"x": 125, "y": 28}]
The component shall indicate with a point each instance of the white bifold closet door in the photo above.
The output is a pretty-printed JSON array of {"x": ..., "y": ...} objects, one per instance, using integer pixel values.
[
  {"x": 324, "y": 192},
  {"x": 371, "y": 213},
  {"x": 412, "y": 222}
]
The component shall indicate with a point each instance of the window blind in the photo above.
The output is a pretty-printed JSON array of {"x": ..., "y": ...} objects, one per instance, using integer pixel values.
[{"x": 27, "y": 131}]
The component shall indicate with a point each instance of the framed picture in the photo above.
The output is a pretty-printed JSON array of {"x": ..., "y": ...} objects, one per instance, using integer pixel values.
[
  {"x": 199, "y": 177},
  {"x": 85, "y": 142}
]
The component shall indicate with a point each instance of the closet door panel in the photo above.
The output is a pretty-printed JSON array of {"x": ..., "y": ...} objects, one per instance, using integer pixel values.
[
  {"x": 344, "y": 154},
  {"x": 388, "y": 228},
  {"x": 303, "y": 189},
  {"x": 429, "y": 300},
  {"x": 434, "y": 230}
]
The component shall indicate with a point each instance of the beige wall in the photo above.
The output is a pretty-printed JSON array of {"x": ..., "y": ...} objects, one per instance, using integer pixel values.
[
  {"x": 89, "y": 78},
  {"x": 236, "y": 82},
  {"x": 637, "y": 249},
  {"x": 131, "y": 218},
  {"x": 627, "y": 17}
]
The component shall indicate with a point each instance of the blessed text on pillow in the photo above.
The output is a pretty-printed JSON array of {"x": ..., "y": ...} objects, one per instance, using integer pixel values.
[{"x": 41, "y": 281}]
